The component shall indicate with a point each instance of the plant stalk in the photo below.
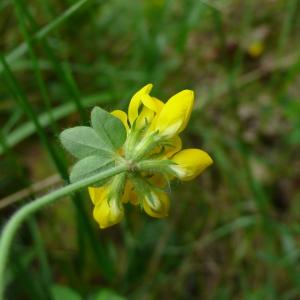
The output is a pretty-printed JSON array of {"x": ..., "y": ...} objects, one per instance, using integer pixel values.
[{"x": 18, "y": 218}]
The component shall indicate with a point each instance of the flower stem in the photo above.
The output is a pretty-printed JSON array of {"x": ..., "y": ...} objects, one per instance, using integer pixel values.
[{"x": 16, "y": 220}]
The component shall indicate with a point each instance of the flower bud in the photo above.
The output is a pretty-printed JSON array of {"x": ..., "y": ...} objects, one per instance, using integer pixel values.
[{"x": 156, "y": 204}]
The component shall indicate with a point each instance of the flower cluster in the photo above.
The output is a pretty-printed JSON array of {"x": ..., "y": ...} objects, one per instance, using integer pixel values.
[{"x": 152, "y": 150}]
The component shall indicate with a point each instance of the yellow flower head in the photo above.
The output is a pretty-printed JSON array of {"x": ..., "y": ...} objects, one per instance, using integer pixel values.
[{"x": 153, "y": 153}]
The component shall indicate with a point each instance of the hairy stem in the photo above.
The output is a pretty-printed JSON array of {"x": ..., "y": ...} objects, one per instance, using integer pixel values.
[{"x": 16, "y": 220}]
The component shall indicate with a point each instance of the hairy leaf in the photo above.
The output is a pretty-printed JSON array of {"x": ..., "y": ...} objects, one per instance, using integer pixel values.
[
  {"x": 82, "y": 141},
  {"x": 109, "y": 128},
  {"x": 89, "y": 166}
]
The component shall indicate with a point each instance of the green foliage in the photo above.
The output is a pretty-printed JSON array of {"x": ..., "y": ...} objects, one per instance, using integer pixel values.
[
  {"x": 60, "y": 292},
  {"x": 89, "y": 165},
  {"x": 97, "y": 146},
  {"x": 110, "y": 129},
  {"x": 107, "y": 294},
  {"x": 83, "y": 141}
]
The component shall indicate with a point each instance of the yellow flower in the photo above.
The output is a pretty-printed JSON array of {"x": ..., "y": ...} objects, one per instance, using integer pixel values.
[
  {"x": 190, "y": 163},
  {"x": 153, "y": 153},
  {"x": 256, "y": 49},
  {"x": 107, "y": 211}
]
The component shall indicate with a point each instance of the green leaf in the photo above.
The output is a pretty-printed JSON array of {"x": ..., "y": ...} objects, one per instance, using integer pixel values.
[
  {"x": 109, "y": 128},
  {"x": 90, "y": 166},
  {"x": 82, "y": 141},
  {"x": 60, "y": 292},
  {"x": 107, "y": 294}
]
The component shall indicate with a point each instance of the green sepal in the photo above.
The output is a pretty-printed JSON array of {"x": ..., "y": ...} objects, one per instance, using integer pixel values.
[
  {"x": 162, "y": 166},
  {"x": 117, "y": 186},
  {"x": 83, "y": 141},
  {"x": 109, "y": 128},
  {"x": 90, "y": 166}
]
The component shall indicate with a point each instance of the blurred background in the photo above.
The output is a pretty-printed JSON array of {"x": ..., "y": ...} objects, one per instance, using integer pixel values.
[{"x": 234, "y": 232}]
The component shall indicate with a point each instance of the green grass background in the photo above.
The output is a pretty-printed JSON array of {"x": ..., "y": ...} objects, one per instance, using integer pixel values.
[{"x": 234, "y": 232}]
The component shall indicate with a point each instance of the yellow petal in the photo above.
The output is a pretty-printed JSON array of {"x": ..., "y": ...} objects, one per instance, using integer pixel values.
[
  {"x": 145, "y": 117},
  {"x": 158, "y": 180},
  {"x": 175, "y": 114},
  {"x": 159, "y": 104},
  {"x": 122, "y": 116},
  {"x": 174, "y": 145},
  {"x": 130, "y": 194},
  {"x": 135, "y": 102},
  {"x": 108, "y": 213},
  {"x": 152, "y": 103},
  {"x": 133, "y": 197},
  {"x": 190, "y": 163},
  {"x": 97, "y": 194},
  {"x": 157, "y": 204},
  {"x": 190, "y": 98},
  {"x": 152, "y": 106}
]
